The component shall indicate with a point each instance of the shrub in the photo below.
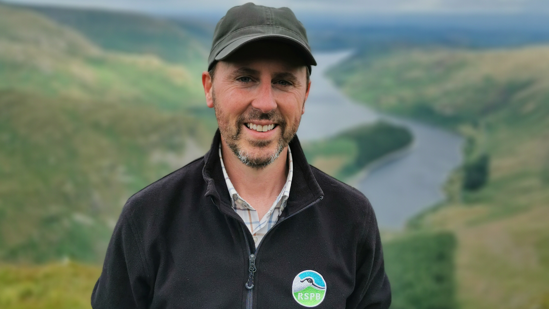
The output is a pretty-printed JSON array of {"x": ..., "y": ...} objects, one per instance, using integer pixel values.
[
  {"x": 421, "y": 271},
  {"x": 476, "y": 173}
]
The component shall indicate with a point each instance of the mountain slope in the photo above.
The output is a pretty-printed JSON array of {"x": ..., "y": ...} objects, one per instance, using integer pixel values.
[
  {"x": 81, "y": 129},
  {"x": 39, "y": 55},
  {"x": 135, "y": 33}
]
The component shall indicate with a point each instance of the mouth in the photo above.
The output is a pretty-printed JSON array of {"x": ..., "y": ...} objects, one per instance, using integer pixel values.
[{"x": 261, "y": 128}]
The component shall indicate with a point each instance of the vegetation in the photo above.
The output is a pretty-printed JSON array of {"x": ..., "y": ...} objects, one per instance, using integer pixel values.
[
  {"x": 420, "y": 267},
  {"x": 476, "y": 173},
  {"x": 349, "y": 152},
  {"x": 139, "y": 34},
  {"x": 81, "y": 130},
  {"x": 498, "y": 101},
  {"x": 68, "y": 165},
  {"x": 40, "y": 56},
  {"x": 60, "y": 286}
]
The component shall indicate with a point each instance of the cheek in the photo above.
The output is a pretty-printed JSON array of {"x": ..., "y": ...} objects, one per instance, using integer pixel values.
[
  {"x": 293, "y": 106},
  {"x": 227, "y": 107}
]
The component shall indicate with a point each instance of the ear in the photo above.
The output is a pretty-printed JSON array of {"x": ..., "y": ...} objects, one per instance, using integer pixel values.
[
  {"x": 306, "y": 96},
  {"x": 207, "y": 84}
]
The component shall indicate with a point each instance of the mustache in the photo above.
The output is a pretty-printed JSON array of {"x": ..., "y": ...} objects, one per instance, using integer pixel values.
[{"x": 256, "y": 114}]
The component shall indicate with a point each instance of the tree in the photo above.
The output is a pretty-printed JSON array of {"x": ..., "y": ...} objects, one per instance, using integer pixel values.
[{"x": 476, "y": 173}]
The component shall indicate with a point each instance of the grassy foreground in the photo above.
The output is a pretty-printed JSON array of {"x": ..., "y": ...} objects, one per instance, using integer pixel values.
[
  {"x": 61, "y": 286},
  {"x": 498, "y": 101}
]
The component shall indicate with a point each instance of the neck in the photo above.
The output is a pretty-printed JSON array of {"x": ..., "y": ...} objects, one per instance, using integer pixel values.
[{"x": 259, "y": 187}]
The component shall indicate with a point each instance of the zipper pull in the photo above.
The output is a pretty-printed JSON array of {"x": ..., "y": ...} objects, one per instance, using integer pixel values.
[{"x": 252, "y": 269}]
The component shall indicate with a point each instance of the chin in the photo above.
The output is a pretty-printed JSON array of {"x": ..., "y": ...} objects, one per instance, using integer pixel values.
[{"x": 258, "y": 158}]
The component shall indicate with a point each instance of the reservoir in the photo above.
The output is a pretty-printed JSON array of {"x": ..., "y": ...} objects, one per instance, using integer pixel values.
[{"x": 402, "y": 186}]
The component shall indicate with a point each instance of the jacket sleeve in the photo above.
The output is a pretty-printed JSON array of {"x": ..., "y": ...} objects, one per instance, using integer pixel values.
[
  {"x": 123, "y": 282},
  {"x": 372, "y": 288}
]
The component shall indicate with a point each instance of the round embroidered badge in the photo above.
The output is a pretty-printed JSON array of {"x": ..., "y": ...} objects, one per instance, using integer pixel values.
[{"x": 309, "y": 288}]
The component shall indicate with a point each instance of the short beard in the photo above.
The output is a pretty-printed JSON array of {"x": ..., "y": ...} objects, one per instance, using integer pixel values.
[
  {"x": 231, "y": 138},
  {"x": 257, "y": 163}
]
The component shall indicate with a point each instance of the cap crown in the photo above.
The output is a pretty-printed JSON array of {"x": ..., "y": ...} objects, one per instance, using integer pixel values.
[{"x": 249, "y": 21}]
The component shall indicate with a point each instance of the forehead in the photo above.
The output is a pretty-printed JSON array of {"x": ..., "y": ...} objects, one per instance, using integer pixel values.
[{"x": 267, "y": 53}]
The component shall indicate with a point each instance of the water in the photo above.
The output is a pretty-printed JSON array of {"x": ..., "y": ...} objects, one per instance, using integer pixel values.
[{"x": 399, "y": 188}]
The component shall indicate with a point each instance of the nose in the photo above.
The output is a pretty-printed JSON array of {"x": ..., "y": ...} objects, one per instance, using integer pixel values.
[{"x": 265, "y": 100}]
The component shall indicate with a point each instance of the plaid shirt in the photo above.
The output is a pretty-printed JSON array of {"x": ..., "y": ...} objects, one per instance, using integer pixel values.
[{"x": 257, "y": 227}]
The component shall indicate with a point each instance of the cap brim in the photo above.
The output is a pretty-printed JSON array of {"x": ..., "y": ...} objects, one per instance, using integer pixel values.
[{"x": 238, "y": 43}]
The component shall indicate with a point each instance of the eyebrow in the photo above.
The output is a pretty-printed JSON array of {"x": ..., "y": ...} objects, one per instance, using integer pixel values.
[
  {"x": 244, "y": 71},
  {"x": 278, "y": 75}
]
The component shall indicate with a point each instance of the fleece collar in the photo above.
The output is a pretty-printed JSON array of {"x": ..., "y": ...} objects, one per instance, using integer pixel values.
[{"x": 304, "y": 191}]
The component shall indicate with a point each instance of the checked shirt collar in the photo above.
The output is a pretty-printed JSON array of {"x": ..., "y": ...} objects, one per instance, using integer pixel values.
[{"x": 257, "y": 227}]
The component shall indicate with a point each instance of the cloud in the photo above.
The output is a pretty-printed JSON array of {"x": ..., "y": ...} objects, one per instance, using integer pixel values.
[{"x": 320, "y": 6}]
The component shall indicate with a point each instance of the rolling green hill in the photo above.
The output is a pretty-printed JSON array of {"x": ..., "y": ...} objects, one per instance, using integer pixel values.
[
  {"x": 498, "y": 100},
  {"x": 41, "y": 56},
  {"x": 82, "y": 129},
  {"x": 180, "y": 42}
]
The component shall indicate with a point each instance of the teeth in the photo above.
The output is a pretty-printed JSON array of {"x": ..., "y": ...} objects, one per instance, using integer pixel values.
[{"x": 260, "y": 128}]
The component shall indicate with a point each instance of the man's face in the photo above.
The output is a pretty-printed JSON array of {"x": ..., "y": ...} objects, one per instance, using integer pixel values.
[{"x": 259, "y": 95}]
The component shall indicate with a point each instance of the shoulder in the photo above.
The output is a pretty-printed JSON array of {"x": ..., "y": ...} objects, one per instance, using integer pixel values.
[
  {"x": 343, "y": 196},
  {"x": 338, "y": 188},
  {"x": 159, "y": 195}
]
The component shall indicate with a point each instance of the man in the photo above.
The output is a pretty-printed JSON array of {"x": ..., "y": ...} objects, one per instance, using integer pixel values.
[{"x": 250, "y": 224}]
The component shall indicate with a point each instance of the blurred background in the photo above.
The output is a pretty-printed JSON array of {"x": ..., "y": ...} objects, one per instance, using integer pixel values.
[{"x": 437, "y": 110}]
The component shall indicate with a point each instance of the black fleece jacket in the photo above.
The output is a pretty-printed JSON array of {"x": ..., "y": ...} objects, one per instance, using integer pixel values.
[{"x": 179, "y": 244}]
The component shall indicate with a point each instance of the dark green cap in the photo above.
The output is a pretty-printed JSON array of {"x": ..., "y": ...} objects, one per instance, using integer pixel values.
[{"x": 249, "y": 22}]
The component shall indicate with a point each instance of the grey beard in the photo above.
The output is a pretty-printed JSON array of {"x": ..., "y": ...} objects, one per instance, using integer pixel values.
[{"x": 256, "y": 163}]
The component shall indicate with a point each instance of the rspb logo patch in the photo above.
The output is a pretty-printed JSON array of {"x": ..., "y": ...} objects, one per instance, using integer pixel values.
[{"x": 309, "y": 288}]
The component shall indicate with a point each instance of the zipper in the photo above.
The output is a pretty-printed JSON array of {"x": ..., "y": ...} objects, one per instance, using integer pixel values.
[
  {"x": 252, "y": 256},
  {"x": 250, "y": 283},
  {"x": 252, "y": 269}
]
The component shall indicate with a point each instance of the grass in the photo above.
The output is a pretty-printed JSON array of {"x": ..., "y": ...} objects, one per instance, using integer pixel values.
[
  {"x": 62, "y": 286},
  {"x": 81, "y": 130},
  {"x": 40, "y": 56},
  {"x": 420, "y": 267},
  {"x": 68, "y": 165},
  {"x": 134, "y": 33}
]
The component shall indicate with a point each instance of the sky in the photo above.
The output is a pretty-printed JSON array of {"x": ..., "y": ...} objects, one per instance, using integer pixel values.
[{"x": 343, "y": 7}]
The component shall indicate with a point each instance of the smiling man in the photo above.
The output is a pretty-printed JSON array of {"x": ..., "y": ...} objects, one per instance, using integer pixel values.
[{"x": 251, "y": 224}]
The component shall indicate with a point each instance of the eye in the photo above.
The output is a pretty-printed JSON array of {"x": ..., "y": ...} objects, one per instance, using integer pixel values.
[
  {"x": 282, "y": 82},
  {"x": 244, "y": 79}
]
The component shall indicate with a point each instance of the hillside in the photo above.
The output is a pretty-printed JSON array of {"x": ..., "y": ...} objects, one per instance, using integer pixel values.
[
  {"x": 81, "y": 130},
  {"x": 181, "y": 42},
  {"x": 498, "y": 100},
  {"x": 39, "y": 55}
]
